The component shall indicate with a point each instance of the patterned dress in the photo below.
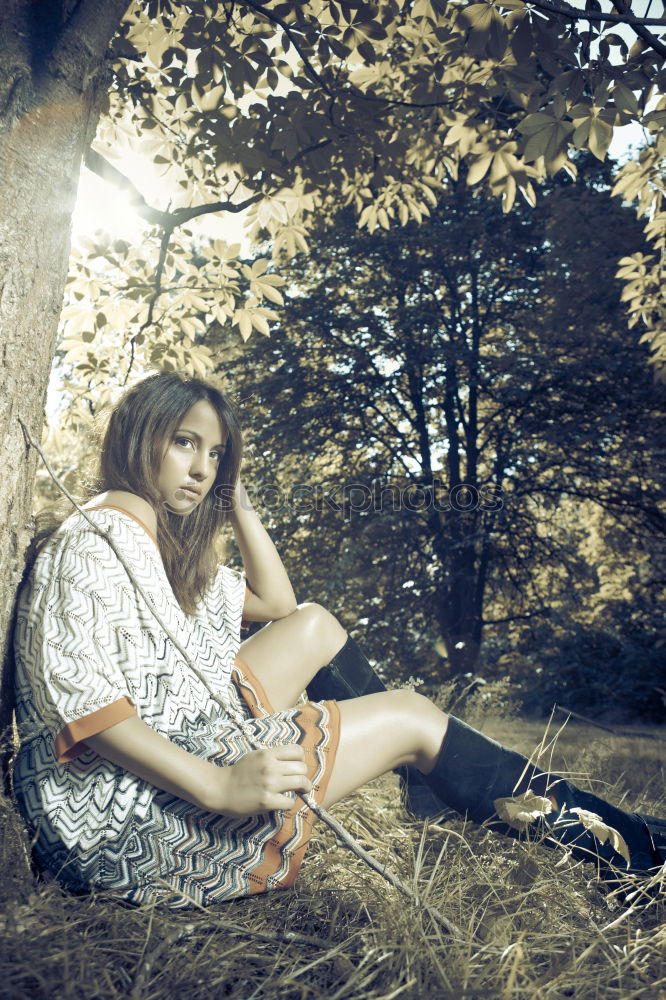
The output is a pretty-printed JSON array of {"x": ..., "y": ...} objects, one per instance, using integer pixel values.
[{"x": 90, "y": 653}]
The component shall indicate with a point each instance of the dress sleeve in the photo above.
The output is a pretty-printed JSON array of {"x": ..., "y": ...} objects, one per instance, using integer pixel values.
[{"x": 80, "y": 634}]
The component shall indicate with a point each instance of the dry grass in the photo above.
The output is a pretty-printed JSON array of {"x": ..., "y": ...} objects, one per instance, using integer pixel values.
[{"x": 533, "y": 928}]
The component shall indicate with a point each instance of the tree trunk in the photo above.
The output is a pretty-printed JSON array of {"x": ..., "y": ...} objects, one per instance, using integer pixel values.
[
  {"x": 457, "y": 605},
  {"x": 53, "y": 80}
]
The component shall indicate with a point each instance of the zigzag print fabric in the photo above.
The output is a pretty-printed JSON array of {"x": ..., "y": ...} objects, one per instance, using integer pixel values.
[{"x": 89, "y": 652}]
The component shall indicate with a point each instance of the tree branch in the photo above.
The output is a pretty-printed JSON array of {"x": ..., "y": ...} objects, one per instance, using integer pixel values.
[
  {"x": 639, "y": 28},
  {"x": 167, "y": 220},
  {"x": 390, "y": 877},
  {"x": 183, "y": 215},
  {"x": 101, "y": 166},
  {"x": 164, "y": 246},
  {"x": 307, "y": 65},
  {"x": 516, "y": 618},
  {"x": 564, "y": 9}
]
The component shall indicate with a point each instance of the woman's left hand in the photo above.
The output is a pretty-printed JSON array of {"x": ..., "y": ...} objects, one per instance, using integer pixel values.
[{"x": 241, "y": 499}]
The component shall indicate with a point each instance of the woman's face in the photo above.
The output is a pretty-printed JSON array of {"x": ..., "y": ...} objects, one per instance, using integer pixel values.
[{"x": 191, "y": 459}]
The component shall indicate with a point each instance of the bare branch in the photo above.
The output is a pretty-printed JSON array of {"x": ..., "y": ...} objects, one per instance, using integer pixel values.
[
  {"x": 390, "y": 877},
  {"x": 182, "y": 215},
  {"x": 101, "y": 166},
  {"x": 564, "y": 9},
  {"x": 167, "y": 220},
  {"x": 640, "y": 29}
]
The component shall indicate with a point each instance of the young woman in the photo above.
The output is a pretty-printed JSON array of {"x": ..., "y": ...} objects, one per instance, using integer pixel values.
[{"x": 138, "y": 770}]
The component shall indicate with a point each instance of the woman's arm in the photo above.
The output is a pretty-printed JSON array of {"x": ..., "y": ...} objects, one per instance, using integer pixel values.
[
  {"x": 256, "y": 784},
  {"x": 273, "y": 595}
]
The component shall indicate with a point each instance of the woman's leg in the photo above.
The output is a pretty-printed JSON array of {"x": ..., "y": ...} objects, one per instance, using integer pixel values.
[
  {"x": 310, "y": 649},
  {"x": 286, "y": 654},
  {"x": 469, "y": 772},
  {"x": 473, "y": 774},
  {"x": 492, "y": 784},
  {"x": 380, "y": 732},
  {"x": 350, "y": 675}
]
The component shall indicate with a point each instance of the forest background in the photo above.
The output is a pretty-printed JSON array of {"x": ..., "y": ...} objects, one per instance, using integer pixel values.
[
  {"x": 393, "y": 232},
  {"x": 453, "y": 437}
]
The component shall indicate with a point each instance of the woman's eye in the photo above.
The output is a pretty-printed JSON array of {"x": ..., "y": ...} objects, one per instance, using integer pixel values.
[{"x": 217, "y": 455}]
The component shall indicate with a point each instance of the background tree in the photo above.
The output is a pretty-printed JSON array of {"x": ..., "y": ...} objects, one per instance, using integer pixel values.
[
  {"x": 435, "y": 370},
  {"x": 294, "y": 109},
  {"x": 601, "y": 649}
]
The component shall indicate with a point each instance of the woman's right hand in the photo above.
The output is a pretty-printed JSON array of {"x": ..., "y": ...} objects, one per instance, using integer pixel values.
[{"x": 259, "y": 781}]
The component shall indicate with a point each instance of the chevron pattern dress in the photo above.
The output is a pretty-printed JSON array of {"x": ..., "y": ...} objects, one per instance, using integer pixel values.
[{"x": 89, "y": 653}]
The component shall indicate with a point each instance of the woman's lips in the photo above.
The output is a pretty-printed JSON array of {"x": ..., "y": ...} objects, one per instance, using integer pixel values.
[{"x": 189, "y": 491}]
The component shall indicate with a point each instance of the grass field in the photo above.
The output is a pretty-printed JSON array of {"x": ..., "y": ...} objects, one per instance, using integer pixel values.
[{"x": 534, "y": 924}]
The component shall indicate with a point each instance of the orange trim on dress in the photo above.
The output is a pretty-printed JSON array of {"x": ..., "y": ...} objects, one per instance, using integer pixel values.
[
  {"x": 122, "y": 510},
  {"x": 258, "y": 706},
  {"x": 70, "y": 740},
  {"x": 254, "y": 695}
]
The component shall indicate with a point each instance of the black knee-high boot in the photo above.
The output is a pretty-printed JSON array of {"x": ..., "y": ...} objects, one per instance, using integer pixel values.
[
  {"x": 350, "y": 675},
  {"x": 474, "y": 773}
]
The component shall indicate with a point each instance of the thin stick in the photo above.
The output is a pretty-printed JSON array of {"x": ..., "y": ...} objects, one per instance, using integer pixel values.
[
  {"x": 386, "y": 873},
  {"x": 318, "y": 810},
  {"x": 610, "y": 729}
]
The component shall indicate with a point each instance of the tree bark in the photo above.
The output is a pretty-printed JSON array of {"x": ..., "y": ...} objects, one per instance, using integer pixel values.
[{"x": 53, "y": 81}]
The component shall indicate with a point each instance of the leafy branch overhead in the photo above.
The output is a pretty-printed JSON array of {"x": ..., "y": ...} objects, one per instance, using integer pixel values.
[{"x": 289, "y": 111}]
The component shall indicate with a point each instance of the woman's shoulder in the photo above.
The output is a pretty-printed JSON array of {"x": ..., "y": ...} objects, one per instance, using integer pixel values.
[
  {"x": 131, "y": 503},
  {"x": 73, "y": 553}
]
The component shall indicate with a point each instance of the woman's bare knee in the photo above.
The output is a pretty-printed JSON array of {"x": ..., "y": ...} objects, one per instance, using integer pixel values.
[
  {"x": 422, "y": 723},
  {"x": 378, "y": 732},
  {"x": 321, "y": 628},
  {"x": 287, "y": 653}
]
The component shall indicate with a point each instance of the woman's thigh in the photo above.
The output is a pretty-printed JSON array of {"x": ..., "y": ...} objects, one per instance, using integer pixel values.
[
  {"x": 286, "y": 654},
  {"x": 379, "y": 732}
]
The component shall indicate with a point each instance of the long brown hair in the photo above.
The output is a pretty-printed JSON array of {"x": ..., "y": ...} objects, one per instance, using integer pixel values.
[{"x": 138, "y": 430}]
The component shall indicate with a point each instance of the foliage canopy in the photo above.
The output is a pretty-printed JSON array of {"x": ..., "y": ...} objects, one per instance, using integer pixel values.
[{"x": 287, "y": 111}]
